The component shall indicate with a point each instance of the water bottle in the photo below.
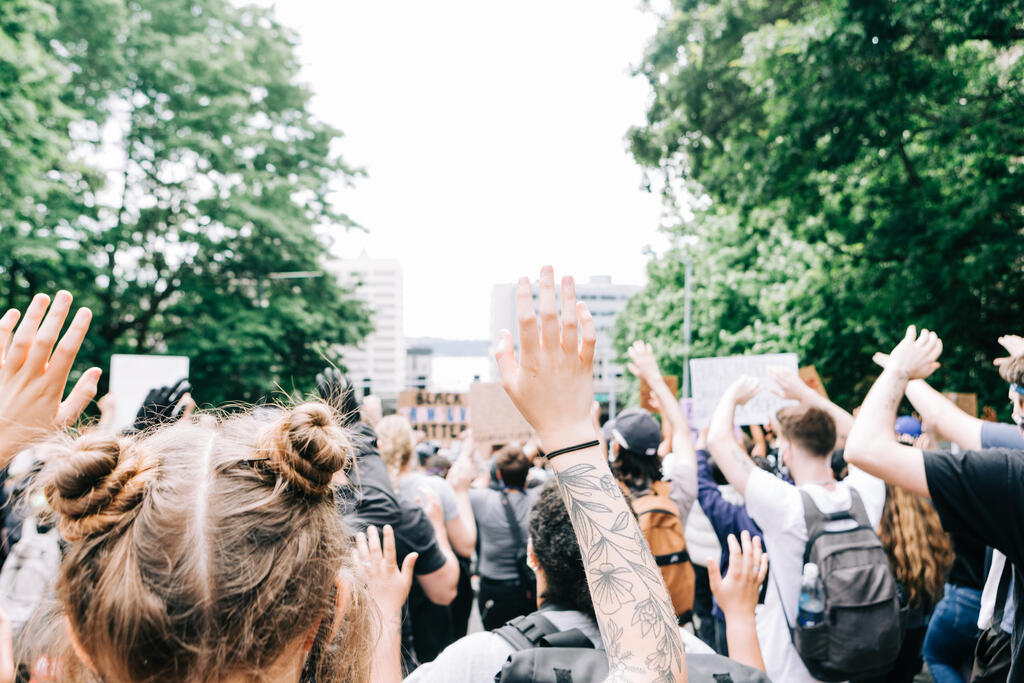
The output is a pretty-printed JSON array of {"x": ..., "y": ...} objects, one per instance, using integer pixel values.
[{"x": 812, "y": 598}]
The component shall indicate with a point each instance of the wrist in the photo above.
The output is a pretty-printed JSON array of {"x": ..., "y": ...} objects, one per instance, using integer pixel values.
[
  {"x": 567, "y": 435},
  {"x": 740, "y": 618}
]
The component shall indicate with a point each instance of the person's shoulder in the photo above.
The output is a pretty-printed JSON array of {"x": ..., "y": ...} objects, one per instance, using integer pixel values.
[{"x": 478, "y": 656}]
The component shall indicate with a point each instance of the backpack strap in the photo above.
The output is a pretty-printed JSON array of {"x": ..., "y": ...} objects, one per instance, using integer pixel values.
[
  {"x": 535, "y": 630},
  {"x": 513, "y": 523}
]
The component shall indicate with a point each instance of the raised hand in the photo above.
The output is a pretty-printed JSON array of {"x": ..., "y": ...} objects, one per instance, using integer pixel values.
[
  {"x": 641, "y": 361},
  {"x": 790, "y": 384},
  {"x": 164, "y": 405},
  {"x": 737, "y": 592},
  {"x": 388, "y": 584},
  {"x": 552, "y": 385},
  {"x": 916, "y": 355},
  {"x": 744, "y": 389},
  {"x": 1014, "y": 345},
  {"x": 33, "y": 374}
]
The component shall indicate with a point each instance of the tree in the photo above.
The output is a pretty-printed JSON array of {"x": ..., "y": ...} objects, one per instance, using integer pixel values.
[
  {"x": 222, "y": 180},
  {"x": 863, "y": 163}
]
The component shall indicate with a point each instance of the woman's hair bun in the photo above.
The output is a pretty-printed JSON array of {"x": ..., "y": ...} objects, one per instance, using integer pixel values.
[
  {"x": 307, "y": 446},
  {"x": 96, "y": 484}
]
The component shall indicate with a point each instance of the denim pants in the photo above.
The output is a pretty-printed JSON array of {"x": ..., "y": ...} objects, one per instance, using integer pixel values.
[{"x": 952, "y": 634}]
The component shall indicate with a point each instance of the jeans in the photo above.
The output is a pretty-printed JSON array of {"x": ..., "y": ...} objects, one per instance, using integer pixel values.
[{"x": 952, "y": 634}]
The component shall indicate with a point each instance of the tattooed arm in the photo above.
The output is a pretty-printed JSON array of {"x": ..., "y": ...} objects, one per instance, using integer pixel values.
[
  {"x": 872, "y": 444},
  {"x": 552, "y": 385},
  {"x": 729, "y": 455}
]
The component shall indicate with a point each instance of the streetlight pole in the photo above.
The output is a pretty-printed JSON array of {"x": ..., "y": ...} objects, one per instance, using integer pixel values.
[{"x": 687, "y": 331}]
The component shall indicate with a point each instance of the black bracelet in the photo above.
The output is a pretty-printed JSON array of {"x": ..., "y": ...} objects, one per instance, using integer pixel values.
[{"x": 578, "y": 447}]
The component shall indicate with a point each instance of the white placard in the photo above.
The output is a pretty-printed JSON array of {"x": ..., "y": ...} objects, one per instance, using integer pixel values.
[
  {"x": 133, "y": 376},
  {"x": 710, "y": 377}
]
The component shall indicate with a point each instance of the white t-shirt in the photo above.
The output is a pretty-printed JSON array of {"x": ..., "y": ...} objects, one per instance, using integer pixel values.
[{"x": 778, "y": 509}]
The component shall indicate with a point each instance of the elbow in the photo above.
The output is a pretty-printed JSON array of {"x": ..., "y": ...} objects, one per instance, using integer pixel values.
[
  {"x": 442, "y": 586},
  {"x": 859, "y": 448}
]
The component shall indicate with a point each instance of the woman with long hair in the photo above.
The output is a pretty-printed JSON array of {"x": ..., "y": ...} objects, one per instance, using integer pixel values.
[{"x": 920, "y": 554}]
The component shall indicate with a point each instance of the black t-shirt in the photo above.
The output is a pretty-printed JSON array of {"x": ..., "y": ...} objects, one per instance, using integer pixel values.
[
  {"x": 968, "y": 570},
  {"x": 980, "y": 494},
  {"x": 372, "y": 500}
]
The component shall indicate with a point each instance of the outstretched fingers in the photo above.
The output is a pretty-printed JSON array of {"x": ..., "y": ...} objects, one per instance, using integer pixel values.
[
  {"x": 570, "y": 318},
  {"x": 64, "y": 357},
  {"x": 76, "y": 402},
  {"x": 48, "y": 333},
  {"x": 22, "y": 339},
  {"x": 529, "y": 339},
  {"x": 588, "y": 332},
  {"x": 548, "y": 307},
  {"x": 7, "y": 324}
]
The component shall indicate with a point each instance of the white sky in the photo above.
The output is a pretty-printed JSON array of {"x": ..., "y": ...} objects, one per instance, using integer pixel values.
[{"x": 494, "y": 139}]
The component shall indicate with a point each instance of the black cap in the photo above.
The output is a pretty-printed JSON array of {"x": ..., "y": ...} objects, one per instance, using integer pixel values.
[{"x": 635, "y": 430}]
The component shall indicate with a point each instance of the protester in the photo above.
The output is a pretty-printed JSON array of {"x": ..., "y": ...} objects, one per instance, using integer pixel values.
[
  {"x": 662, "y": 501},
  {"x": 807, "y": 436},
  {"x": 727, "y": 518},
  {"x": 552, "y": 386},
  {"x": 506, "y": 589},
  {"x": 920, "y": 555},
  {"x": 974, "y": 492}
]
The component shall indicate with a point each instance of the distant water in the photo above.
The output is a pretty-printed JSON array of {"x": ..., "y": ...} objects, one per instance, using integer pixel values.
[{"x": 455, "y": 373}]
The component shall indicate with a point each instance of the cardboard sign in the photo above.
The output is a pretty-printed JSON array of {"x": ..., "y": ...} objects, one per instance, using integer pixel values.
[
  {"x": 133, "y": 376},
  {"x": 495, "y": 419},
  {"x": 710, "y": 377},
  {"x": 965, "y": 402},
  {"x": 441, "y": 416},
  {"x": 809, "y": 374},
  {"x": 645, "y": 392}
]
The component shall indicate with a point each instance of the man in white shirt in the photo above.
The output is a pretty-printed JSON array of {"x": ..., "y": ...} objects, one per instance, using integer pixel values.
[{"x": 807, "y": 438}]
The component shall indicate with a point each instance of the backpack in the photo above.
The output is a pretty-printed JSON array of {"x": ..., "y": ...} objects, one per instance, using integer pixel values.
[
  {"x": 546, "y": 655},
  {"x": 659, "y": 520},
  {"x": 29, "y": 572},
  {"x": 862, "y": 631}
]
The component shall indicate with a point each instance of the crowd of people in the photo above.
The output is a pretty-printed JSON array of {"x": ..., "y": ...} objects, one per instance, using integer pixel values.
[{"x": 326, "y": 541}]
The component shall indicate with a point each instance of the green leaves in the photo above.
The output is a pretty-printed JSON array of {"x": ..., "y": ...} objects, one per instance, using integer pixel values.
[
  {"x": 217, "y": 177},
  {"x": 862, "y": 166}
]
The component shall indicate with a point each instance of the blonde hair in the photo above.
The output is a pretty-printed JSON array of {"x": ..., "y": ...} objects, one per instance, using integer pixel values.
[
  {"x": 919, "y": 551},
  {"x": 206, "y": 549},
  {"x": 394, "y": 440}
]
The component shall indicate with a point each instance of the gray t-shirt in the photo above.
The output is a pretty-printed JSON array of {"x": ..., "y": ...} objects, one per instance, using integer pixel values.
[
  {"x": 479, "y": 656},
  {"x": 411, "y": 483},
  {"x": 497, "y": 545}
]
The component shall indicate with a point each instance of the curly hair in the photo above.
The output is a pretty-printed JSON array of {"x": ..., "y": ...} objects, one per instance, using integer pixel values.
[
  {"x": 205, "y": 549},
  {"x": 919, "y": 551},
  {"x": 558, "y": 554}
]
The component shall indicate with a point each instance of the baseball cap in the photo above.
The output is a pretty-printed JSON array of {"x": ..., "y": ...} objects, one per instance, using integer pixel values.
[
  {"x": 635, "y": 430},
  {"x": 908, "y": 426}
]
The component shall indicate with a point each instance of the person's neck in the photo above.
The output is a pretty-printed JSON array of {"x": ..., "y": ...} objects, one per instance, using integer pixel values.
[{"x": 807, "y": 469}]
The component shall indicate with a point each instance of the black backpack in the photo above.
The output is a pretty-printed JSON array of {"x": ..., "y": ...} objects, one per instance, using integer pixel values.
[
  {"x": 862, "y": 632},
  {"x": 546, "y": 655}
]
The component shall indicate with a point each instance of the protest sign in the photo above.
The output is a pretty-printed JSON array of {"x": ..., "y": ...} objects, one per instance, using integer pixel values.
[
  {"x": 710, "y": 377},
  {"x": 965, "y": 402},
  {"x": 495, "y": 419},
  {"x": 132, "y": 376},
  {"x": 441, "y": 416},
  {"x": 809, "y": 374},
  {"x": 645, "y": 392}
]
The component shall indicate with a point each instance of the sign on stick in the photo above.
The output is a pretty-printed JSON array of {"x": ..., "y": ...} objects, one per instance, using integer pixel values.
[
  {"x": 710, "y": 377},
  {"x": 441, "y": 416},
  {"x": 132, "y": 376},
  {"x": 495, "y": 419}
]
